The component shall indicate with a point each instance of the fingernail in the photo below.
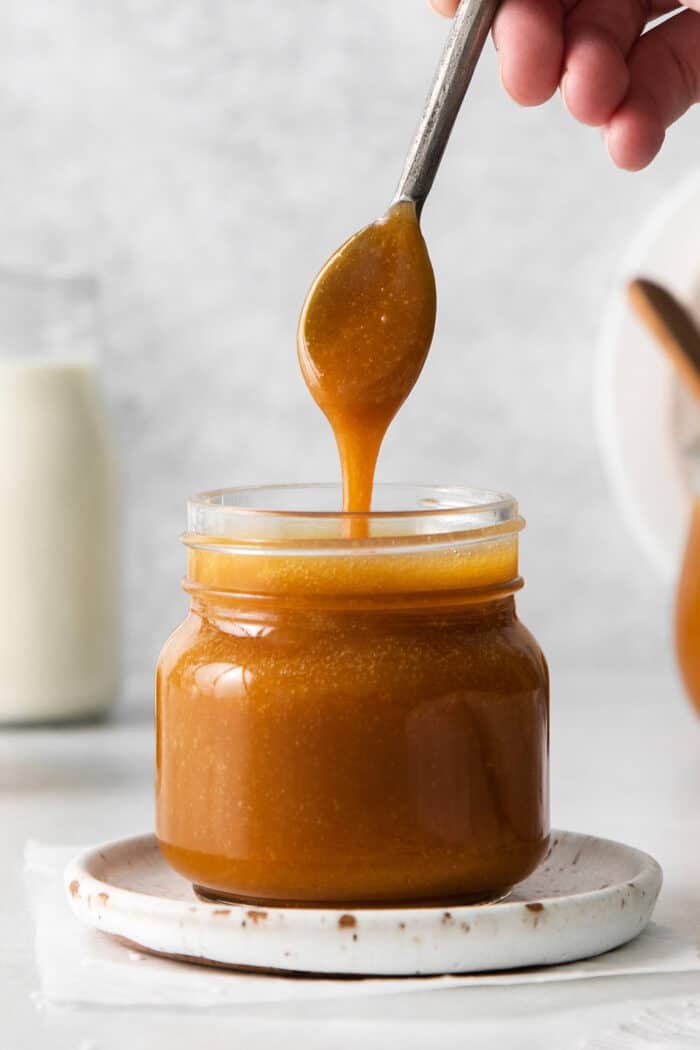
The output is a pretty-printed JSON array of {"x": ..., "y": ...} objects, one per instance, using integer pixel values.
[{"x": 500, "y": 75}]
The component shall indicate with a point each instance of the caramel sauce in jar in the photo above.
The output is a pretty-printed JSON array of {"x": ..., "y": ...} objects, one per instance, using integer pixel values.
[
  {"x": 688, "y": 611},
  {"x": 352, "y": 712},
  {"x": 352, "y": 721}
]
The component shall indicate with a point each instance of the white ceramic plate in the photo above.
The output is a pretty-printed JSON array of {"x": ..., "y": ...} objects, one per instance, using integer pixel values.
[
  {"x": 645, "y": 418},
  {"x": 589, "y": 895}
]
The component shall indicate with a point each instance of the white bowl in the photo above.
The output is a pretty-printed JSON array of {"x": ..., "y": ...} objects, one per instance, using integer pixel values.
[{"x": 646, "y": 420}]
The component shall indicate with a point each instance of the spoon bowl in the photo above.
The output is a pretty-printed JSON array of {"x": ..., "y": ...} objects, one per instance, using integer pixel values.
[{"x": 364, "y": 334}]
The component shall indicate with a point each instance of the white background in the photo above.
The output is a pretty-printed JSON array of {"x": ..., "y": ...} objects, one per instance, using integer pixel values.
[{"x": 204, "y": 159}]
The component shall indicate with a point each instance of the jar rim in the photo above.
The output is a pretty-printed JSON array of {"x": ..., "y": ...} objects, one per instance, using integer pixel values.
[{"x": 274, "y": 514}]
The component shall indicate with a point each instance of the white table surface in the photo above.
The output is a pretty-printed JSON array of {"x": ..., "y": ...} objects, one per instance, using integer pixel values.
[{"x": 625, "y": 764}]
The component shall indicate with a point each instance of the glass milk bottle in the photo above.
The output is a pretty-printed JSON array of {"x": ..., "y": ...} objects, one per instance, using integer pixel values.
[{"x": 59, "y": 514}]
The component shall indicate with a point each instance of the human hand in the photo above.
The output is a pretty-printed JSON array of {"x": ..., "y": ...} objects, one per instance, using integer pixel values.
[{"x": 612, "y": 74}]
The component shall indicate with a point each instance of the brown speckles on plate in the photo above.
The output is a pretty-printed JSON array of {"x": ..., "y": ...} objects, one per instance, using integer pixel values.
[
  {"x": 552, "y": 846},
  {"x": 536, "y": 908},
  {"x": 447, "y": 919},
  {"x": 256, "y": 916},
  {"x": 579, "y": 852},
  {"x": 465, "y": 927},
  {"x": 221, "y": 911},
  {"x": 74, "y": 888},
  {"x": 102, "y": 899},
  {"x": 347, "y": 922}
]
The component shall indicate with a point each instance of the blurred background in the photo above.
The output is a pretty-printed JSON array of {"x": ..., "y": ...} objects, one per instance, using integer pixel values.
[{"x": 202, "y": 160}]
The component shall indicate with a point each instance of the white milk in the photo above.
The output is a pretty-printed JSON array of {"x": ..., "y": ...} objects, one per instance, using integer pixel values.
[{"x": 59, "y": 544}]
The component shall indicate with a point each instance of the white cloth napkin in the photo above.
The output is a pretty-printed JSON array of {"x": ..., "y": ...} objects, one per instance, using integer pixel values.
[
  {"x": 664, "y": 1027},
  {"x": 79, "y": 965}
]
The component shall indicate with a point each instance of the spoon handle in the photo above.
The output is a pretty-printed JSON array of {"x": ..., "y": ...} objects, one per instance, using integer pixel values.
[
  {"x": 470, "y": 27},
  {"x": 672, "y": 326}
]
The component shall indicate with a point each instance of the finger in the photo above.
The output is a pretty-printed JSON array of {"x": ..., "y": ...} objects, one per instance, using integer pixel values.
[
  {"x": 445, "y": 7},
  {"x": 664, "y": 83},
  {"x": 656, "y": 8},
  {"x": 529, "y": 37},
  {"x": 599, "y": 37}
]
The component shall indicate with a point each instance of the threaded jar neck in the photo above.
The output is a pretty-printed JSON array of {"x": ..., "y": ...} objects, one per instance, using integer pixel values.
[{"x": 419, "y": 543}]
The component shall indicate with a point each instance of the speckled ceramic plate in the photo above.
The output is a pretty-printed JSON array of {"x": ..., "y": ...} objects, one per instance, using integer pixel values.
[{"x": 589, "y": 895}]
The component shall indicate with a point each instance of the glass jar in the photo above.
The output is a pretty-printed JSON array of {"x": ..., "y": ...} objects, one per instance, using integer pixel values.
[
  {"x": 60, "y": 527},
  {"x": 352, "y": 720}
]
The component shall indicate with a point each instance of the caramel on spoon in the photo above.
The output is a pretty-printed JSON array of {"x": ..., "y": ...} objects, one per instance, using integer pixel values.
[
  {"x": 364, "y": 334},
  {"x": 672, "y": 326},
  {"x": 367, "y": 322}
]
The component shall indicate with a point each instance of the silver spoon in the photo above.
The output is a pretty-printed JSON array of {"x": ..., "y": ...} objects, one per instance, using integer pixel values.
[{"x": 470, "y": 28}]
